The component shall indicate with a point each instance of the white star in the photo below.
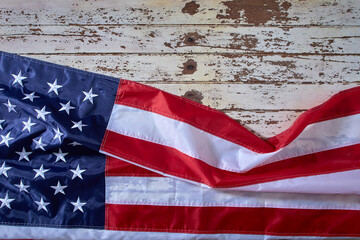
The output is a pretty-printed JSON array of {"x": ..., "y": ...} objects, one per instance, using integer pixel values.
[
  {"x": 28, "y": 125},
  {"x": 54, "y": 87},
  {"x": 78, "y": 205},
  {"x": 77, "y": 172},
  {"x": 66, "y": 107},
  {"x": 18, "y": 79},
  {"x": 58, "y": 188},
  {"x": 22, "y": 187},
  {"x": 60, "y": 156},
  {"x": 39, "y": 144},
  {"x": 1, "y": 121},
  {"x": 78, "y": 125},
  {"x": 4, "y": 169},
  {"x": 24, "y": 154},
  {"x": 58, "y": 134},
  {"x": 6, "y": 201},
  {"x": 6, "y": 138},
  {"x": 89, "y": 95},
  {"x": 30, "y": 96},
  {"x": 74, "y": 144},
  {"x": 42, "y": 113},
  {"x": 42, "y": 205},
  {"x": 10, "y": 106},
  {"x": 40, "y": 172}
]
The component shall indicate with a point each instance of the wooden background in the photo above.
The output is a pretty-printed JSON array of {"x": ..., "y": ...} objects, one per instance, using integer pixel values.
[{"x": 262, "y": 62}]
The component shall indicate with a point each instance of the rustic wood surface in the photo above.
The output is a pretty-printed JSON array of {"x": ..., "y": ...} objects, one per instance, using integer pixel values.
[{"x": 262, "y": 62}]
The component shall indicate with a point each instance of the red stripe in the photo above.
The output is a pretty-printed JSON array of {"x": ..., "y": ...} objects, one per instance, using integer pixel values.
[
  {"x": 215, "y": 122},
  {"x": 151, "y": 99},
  {"x": 116, "y": 167},
  {"x": 263, "y": 221},
  {"x": 344, "y": 103},
  {"x": 173, "y": 162}
]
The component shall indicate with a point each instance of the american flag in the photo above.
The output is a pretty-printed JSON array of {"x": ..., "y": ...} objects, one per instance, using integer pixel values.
[{"x": 86, "y": 156}]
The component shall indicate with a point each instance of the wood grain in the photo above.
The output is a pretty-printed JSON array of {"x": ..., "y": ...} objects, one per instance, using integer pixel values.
[
  {"x": 218, "y": 68},
  {"x": 257, "y": 96},
  {"x": 180, "y": 39},
  {"x": 265, "y": 124},
  {"x": 254, "y": 12}
]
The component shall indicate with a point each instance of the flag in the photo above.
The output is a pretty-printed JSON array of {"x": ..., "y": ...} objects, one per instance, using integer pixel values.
[{"x": 86, "y": 156}]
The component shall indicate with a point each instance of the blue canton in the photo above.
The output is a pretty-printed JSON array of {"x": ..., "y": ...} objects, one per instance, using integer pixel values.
[{"x": 52, "y": 121}]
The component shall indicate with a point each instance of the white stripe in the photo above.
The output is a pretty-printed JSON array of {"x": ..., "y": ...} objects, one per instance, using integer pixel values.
[
  {"x": 16, "y": 232},
  {"x": 171, "y": 192},
  {"x": 347, "y": 182},
  {"x": 223, "y": 154}
]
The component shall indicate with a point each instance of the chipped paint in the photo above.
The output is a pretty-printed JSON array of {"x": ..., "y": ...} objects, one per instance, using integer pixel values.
[
  {"x": 190, "y": 39},
  {"x": 189, "y": 67},
  {"x": 319, "y": 12},
  {"x": 219, "y": 68},
  {"x": 194, "y": 95},
  {"x": 243, "y": 41},
  {"x": 191, "y": 8},
  {"x": 181, "y": 39},
  {"x": 257, "y": 12}
]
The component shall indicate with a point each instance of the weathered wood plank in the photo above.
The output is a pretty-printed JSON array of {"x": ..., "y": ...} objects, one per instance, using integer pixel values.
[
  {"x": 265, "y": 124},
  {"x": 180, "y": 39},
  {"x": 265, "y": 69},
  {"x": 254, "y": 12},
  {"x": 256, "y": 96}
]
